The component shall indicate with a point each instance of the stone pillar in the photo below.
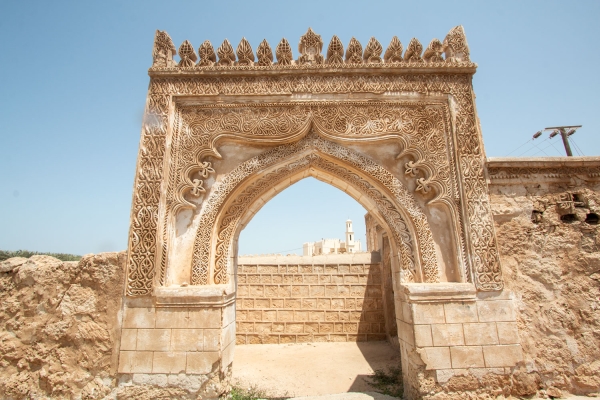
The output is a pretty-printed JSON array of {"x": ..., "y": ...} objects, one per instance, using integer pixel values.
[
  {"x": 182, "y": 337},
  {"x": 447, "y": 330}
]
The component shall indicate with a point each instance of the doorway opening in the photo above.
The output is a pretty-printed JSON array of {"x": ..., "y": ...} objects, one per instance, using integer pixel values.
[{"x": 311, "y": 286}]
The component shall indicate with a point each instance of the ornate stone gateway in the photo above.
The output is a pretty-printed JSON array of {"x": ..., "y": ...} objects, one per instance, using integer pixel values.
[{"x": 397, "y": 131}]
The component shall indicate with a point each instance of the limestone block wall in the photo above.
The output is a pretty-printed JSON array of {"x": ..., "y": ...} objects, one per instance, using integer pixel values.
[
  {"x": 309, "y": 299},
  {"x": 183, "y": 330},
  {"x": 456, "y": 334}
]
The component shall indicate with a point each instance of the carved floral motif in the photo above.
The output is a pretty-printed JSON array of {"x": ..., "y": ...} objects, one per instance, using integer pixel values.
[
  {"x": 207, "y": 54},
  {"x": 226, "y": 54},
  {"x": 335, "y": 51},
  {"x": 433, "y": 52},
  {"x": 454, "y": 47},
  {"x": 244, "y": 53},
  {"x": 284, "y": 53},
  {"x": 393, "y": 54},
  {"x": 373, "y": 52},
  {"x": 354, "y": 52},
  {"x": 264, "y": 54},
  {"x": 413, "y": 51}
]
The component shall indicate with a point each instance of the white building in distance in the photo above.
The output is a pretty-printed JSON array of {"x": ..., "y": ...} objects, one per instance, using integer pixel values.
[{"x": 333, "y": 246}]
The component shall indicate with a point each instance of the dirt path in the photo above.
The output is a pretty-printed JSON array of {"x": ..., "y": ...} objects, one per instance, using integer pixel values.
[{"x": 311, "y": 369}]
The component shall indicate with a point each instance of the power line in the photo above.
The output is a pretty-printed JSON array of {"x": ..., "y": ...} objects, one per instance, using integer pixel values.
[
  {"x": 542, "y": 150},
  {"x": 577, "y": 147},
  {"x": 534, "y": 145},
  {"x": 284, "y": 251},
  {"x": 555, "y": 148},
  {"x": 530, "y": 140}
]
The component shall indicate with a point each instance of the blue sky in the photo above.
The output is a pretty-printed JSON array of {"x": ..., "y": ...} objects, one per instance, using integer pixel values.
[{"x": 74, "y": 81}]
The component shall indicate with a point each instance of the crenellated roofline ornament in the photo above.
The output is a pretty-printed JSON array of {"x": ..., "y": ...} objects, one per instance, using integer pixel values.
[{"x": 450, "y": 54}]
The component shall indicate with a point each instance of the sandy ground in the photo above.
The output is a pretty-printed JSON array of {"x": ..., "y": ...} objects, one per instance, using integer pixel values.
[
  {"x": 312, "y": 369},
  {"x": 316, "y": 371}
]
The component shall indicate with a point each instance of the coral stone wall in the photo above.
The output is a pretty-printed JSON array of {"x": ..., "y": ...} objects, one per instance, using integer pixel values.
[
  {"x": 553, "y": 267},
  {"x": 59, "y": 323},
  {"x": 309, "y": 299}
]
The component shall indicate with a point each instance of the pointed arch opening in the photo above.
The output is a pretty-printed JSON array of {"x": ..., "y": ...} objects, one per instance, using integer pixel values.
[{"x": 254, "y": 182}]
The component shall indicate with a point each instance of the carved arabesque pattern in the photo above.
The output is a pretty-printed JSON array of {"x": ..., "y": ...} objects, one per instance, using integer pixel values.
[
  {"x": 454, "y": 47},
  {"x": 477, "y": 225},
  {"x": 144, "y": 215},
  {"x": 419, "y": 127},
  {"x": 224, "y": 188}
]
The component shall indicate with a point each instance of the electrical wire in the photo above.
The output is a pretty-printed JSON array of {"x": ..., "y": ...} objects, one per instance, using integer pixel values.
[
  {"x": 534, "y": 146},
  {"x": 555, "y": 148},
  {"x": 285, "y": 251},
  {"x": 577, "y": 147},
  {"x": 542, "y": 150},
  {"x": 530, "y": 140}
]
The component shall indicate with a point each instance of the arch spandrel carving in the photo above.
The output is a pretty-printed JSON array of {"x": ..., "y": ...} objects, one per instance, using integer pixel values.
[
  {"x": 411, "y": 230},
  {"x": 157, "y": 171}
]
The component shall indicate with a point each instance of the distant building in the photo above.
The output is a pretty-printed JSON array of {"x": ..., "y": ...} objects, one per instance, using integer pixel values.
[{"x": 333, "y": 246}]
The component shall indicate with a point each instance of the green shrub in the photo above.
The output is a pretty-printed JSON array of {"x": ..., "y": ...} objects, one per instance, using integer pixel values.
[
  {"x": 5, "y": 255},
  {"x": 389, "y": 382},
  {"x": 251, "y": 393}
]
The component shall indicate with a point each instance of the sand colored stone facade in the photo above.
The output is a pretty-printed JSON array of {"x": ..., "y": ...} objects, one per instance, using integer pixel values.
[
  {"x": 397, "y": 131},
  {"x": 65, "y": 332}
]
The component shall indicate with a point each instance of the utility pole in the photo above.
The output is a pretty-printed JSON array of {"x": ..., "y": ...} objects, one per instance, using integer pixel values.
[{"x": 565, "y": 132}]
